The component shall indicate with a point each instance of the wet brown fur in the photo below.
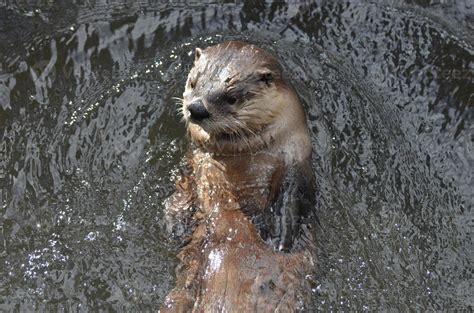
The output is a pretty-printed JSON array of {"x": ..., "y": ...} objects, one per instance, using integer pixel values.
[{"x": 238, "y": 172}]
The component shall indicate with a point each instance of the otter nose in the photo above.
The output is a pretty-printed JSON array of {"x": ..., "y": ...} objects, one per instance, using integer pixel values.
[{"x": 198, "y": 110}]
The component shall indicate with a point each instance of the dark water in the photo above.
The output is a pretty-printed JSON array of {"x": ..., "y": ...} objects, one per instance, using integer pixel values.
[{"x": 90, "y": 144}]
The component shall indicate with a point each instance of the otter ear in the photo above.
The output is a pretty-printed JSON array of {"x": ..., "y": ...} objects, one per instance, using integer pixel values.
[
  {"x": 197, "y": 54},
  {"x": 266, "y": 76}
]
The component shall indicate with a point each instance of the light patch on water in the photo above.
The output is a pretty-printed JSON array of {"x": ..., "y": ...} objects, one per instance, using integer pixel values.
[
  {"x": 43, "y": 80},
  {"x": 119, "y": 223},
  {"x": 91, "y": 236},
  {"x": 5, "y": 97},
  {"x": 40, "y": 260}
]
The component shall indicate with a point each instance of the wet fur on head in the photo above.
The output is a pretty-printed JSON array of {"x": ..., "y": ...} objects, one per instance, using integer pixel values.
[{"x": 241, "y": 86}]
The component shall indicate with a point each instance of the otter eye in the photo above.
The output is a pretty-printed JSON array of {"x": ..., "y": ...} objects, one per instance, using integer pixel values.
[
  {"x": 230, "y": 99},
  {"x": 192, "y": 83}
]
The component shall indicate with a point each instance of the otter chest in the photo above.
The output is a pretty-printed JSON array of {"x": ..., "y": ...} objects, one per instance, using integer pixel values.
[{"x": 238, "y": 182}]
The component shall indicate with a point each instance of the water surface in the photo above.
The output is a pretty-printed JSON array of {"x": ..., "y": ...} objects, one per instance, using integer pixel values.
[{"x": 91, "y": 143}]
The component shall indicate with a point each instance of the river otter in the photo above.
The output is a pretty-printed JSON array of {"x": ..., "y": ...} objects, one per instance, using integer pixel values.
[{"x": 249, "y": 188}]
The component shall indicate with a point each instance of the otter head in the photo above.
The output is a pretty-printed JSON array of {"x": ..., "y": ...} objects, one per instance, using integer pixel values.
[{"x": 233, "y": 94}]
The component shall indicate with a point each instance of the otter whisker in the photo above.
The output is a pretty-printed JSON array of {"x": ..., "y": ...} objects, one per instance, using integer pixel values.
[
  {"x": 180, "y": 112},
  {"x": 178, "y": 99}
]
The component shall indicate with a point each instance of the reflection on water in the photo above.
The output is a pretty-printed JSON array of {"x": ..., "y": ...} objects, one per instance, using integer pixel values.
[{"x": 91, "y": 142}]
